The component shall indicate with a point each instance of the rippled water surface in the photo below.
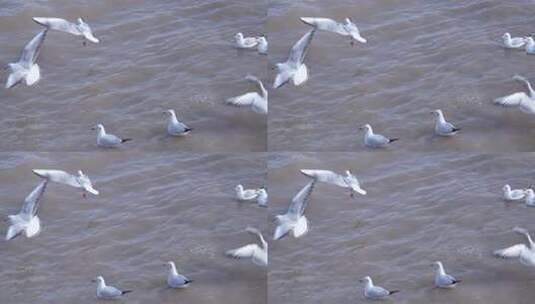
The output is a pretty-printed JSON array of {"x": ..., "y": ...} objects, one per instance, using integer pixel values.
[
  {"x": 419, "y": 208},
  {"x": 152, "y": 208},
  {"x": 420, "y": 55}
]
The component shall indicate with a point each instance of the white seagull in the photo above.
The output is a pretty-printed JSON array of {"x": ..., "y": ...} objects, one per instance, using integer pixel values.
[
  {"x": 106, "y": 292},
  {"x": 512, "y": 195},
  {"x": 294, "y": 220},
  {"x": 62, "y": 177},
  {"x": 347, "y": 28},
  {"x": 245, "y": 42},
  {"x": 512, "y": 43},
  {"x": 442, "y": 279},
  {"x": 262, "y": 197},
  {"x": 258, "y": 254},
  {"x": 373, "y": 140},
  {"x": 525, "y": 102},
  {"x": 175, "y": 127},
  {"x": 373, "y": 292},
  {"x": 81, "y": 28},
  {"x": 26, "y": 68},
  {"x": 530, "y": 198},
  {"x": 530, "y": 45},
  {"x": 442, "y": 127},
  {"x": 27, "y": 220},
  {"x": 526, "y": 254},
  {"x": 345, "y": 181},
  {"x": 262, "y": 46},
  {"x": 107, "y": 140},
  {"x": 174, "y": 279},
  {"x": 245, "y": 194},
  {"x": 294, "y": 68},
  {"x": 257, "y": 102}
]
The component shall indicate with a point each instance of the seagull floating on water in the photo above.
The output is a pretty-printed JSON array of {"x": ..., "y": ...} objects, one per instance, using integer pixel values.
[
  {"x": 345, "y": 181},
  {"x": 512, "y": 195},
  {"x": 62, "y": 177},
  {"x": 375, "y": 292},
  {"x": 442, "y": 127},
  {"x": 262, "y": 46},
  {"x": 525, "y": 102},
  {"x": 512, "y": 43},
  {"x": 245, "y": 194},
  {"x": 106, "y": 292},
  {"x": 373, "y": 140},
  {"x": 530, "y": 198},
  {"x": 442, "y": 279},
  {"x": 175, "y": 127},
  {"x": 242, "y": 42},
  {"x": 81, "y": 28},
  {"x": 530, "y": 45},
  {"x": 348, "y": 28},
  {"x": 293, "y": 68},
  {"x": 176, "y": 280},
  {"x": 257, "y": 102},
  {"x": 26, "y": 68},
  {"x": 27, "y": 220},
  {"x": 526, "y": 254},
  {"x": 107, "y": 140},
  {"x": 262, "y": 197},
  {"x": 294, "y": 220},
  {"x": 258, "y": 254}
]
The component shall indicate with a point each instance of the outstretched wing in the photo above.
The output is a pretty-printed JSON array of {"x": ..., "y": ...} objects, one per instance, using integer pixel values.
[
  {"x": 58, "y": 176},
  {"x": 510, "y": 252},
  {"x": 300, "y": 48},
  {"x": 299, "y": 201},
  {"x": 58, "y": 24},
  {"x": 246, "y": 99},
  {"x": 31, "y": 51},
  {"x": 31, "y": 202},
  {"x": 512, "y": 100},
  {"x": 246, "y": 251},
  {"x": 326, "y": 176},
  {"x": 325, "y": 24}
]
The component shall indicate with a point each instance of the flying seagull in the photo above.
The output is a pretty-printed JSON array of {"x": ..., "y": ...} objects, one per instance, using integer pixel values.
[
  {"x": 257, "y": 102},
  {"x": 293, "y": 68},
  {"x": 294, "y": 219},
  {"x": 348, "y": 28},
  {"x": 525, "y": 254},
  {"x": 26, "y": 68},
  {"x": 345, "y": 181},
  {"x": 81, "y": 28},
  {"x": 27, "y": 220},
  {"x": 258, "y": 254},
  {"x": 525, "y": 102},
  {"x": 62, "y": 177}
]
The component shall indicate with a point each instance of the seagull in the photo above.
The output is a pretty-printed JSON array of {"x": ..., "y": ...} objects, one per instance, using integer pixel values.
[
  {"x": 530, "y": 198},
  {"x": 347, "y": 28},
  {"x": 258, "y": 254},
  {"x": 375, "y": 140},
  {"x": 512, "y": 43},
  {"x": 262, "y": 46},
  {"x": 106, "y": 292},
  {"x": 26, "y": 68},
  {"x": 245, "y": 42},
  {"x": 345, "y": 181},
  {"x": 175, "y": 127},
  {"x": 294, "y": 68},
  {"x": 262, "y": 197},
  {"x": 530, "y": 45},
  {"x": 442, "y": 127},
  {"x": 526, "y": 254},
  {"x": 62, "y": 177},
  {"x": 176, "y": 280},
  {"x": 373, "y": 292},
  {"x": 27, "y": 220},
  {"x": 81, "y": 28},
  {"x": 525, "y": 102},
  {"x": 108, "y": 140},
  {"x": 294, "y": 219},
  {"x": 257, "y": 102},
  {"x": 442, "y": 279},
  {"x": 512, "y": 195},
  {"x": 247, "y": 194}
]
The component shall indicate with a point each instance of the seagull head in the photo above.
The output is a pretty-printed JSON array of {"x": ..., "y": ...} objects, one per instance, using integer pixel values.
[
  {"x": 506, "y": 36},
  {"x": 366, "y": 127},
  {"x": 98, "y": 127},
  {"x": 437, "y": 264},
  {"x": 437, "y": 113},
  {"x": 169, "y": 112},
  {"x": 365, "y": 279},
  {"x": 98, "y": 279},
  {"x": 170, "y": 264},
  {"x": 86, "y": 31},
  {"x": 239, "y": 188},
  {"x": 506, "y": 188},
  {"x": 238, "y": 36},
  {"x": 529, "y": 192}
]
